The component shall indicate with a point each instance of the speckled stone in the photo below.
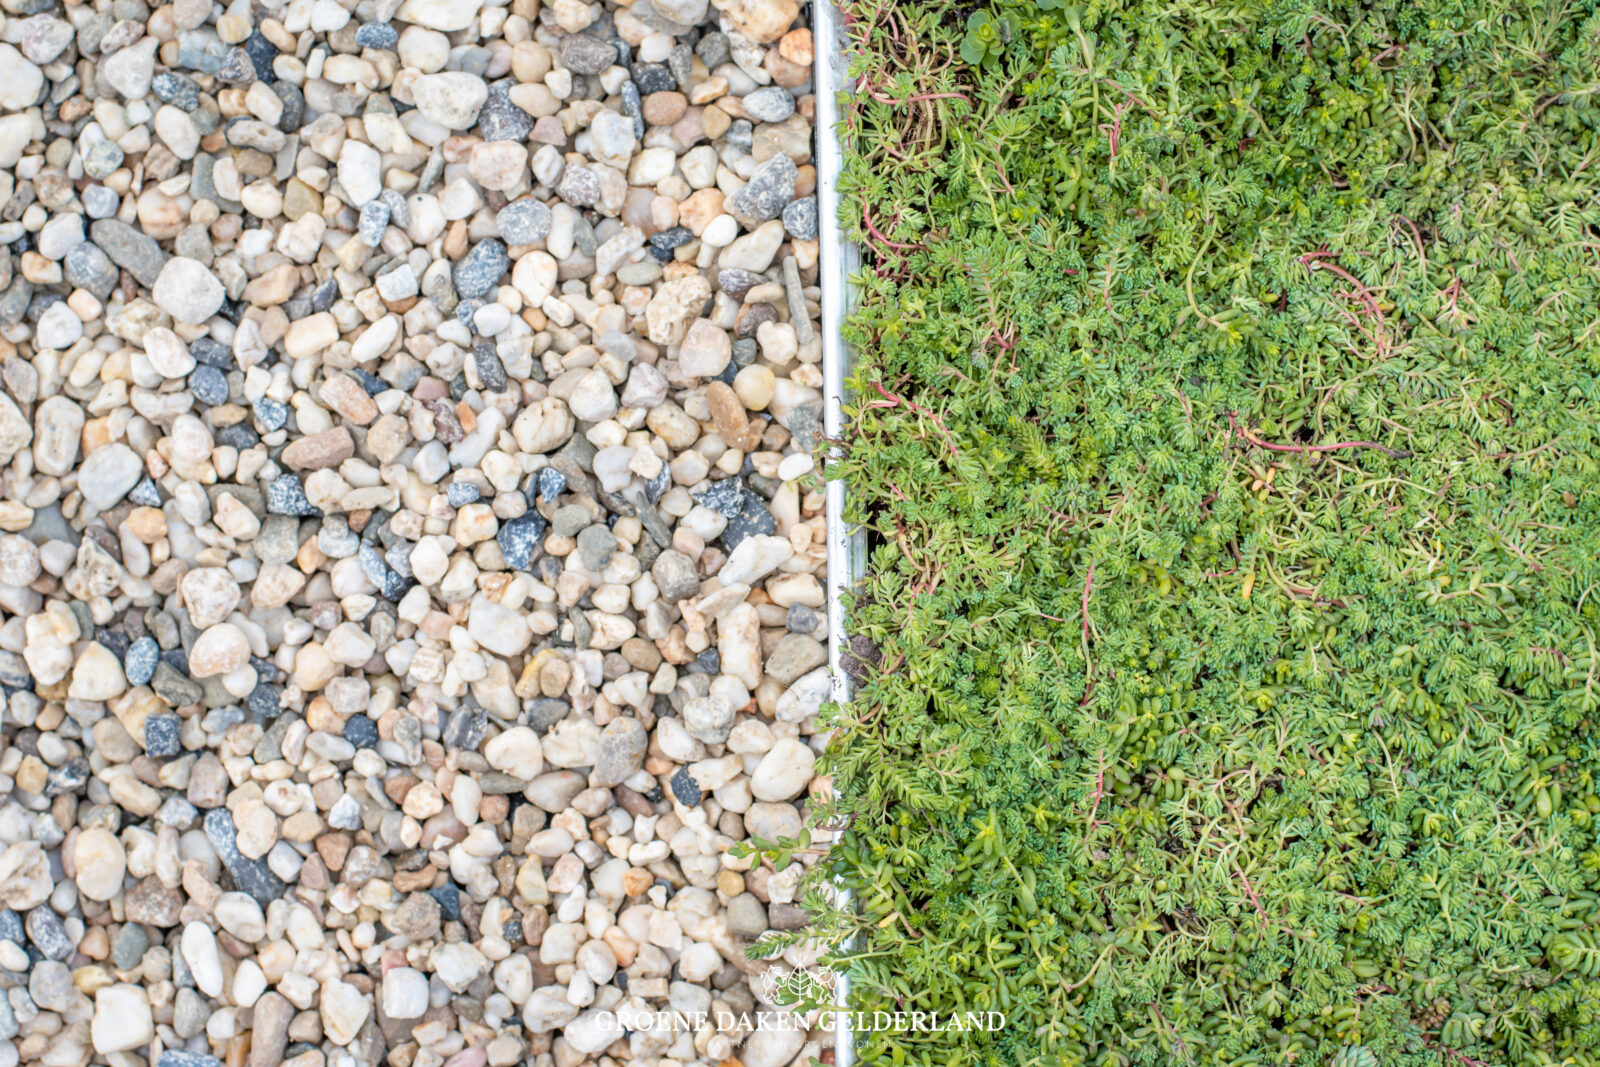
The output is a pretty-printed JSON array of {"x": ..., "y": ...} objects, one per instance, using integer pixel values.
[
  {"x": 161, "y": 736},
  {"x": 373, "y": 222},
  {"x": 270, "y": 414},
  {"x": 212, "y": 353},
  {"x": 286, "y": 496},
  {"x": 523, "y": 221},
  {"x": 460, "y": 494},
  {"x": 175, "y": 89},
  {"x": 520, "y": 537},
  {"x": 491, "y": 372},
  {"x": 378, "y": 35},
  {"x": 209, "y": 385},
  {"x": 755, "y": 518},
  {"x": 685, "y": 788},
  {"x": 501, "y": 120},
  {"x": 584, "y": 54},
  {"x": 481, "y": 269},
  {"x": 361, "y": 731},
  {"x": 800, "y": 219},
  {"x": 726, "y": 497},
  {"x": 140, "y": 663}
]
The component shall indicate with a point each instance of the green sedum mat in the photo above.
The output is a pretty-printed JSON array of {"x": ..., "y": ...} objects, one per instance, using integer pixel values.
[{"x": 1227, "y": 435}]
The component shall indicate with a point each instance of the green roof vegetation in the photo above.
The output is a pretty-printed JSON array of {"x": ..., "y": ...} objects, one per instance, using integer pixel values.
[{"x": 1226, "y": 430}]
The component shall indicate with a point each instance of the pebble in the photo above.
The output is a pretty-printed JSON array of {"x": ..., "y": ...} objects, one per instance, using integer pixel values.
[
  {"x": 523, "y": 222},
  {"x": 410, "y": 423},
  {"x": 188, "y": 291}
]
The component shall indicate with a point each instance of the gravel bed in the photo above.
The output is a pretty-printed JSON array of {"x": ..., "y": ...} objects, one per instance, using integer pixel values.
[{"x": 411, "y": 578}]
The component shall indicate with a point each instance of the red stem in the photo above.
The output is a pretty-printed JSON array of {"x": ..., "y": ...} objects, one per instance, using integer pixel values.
[{"x": 1246, "y": 435}]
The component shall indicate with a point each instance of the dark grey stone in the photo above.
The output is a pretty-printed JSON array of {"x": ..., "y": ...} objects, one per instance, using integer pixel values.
[
  {"x": 449, "y": 898},
  {"x": 800, "y": 218},
  {"x": 552, "y": 483},
  {"x": 161, "y": 736},
  {"x": 47, "y": 933},
  {"x": 480, "y": 270},
  {"x": 460, "y": 494},
  {"x": 294, "y": 105},
  {"x": 768, "y": 191},
  {"x": 323, "y": 296},
  {"x": 596, "y": 545},
  {"x": 212, "y": 353},
  {"x": 667, "y": 240},
  {"x": 134, "y": 252},
  {"x": 286, "y": 496},
  {"x": 361, "y": 732},
  {"x": 261, "y": 52},
  {"x": 176, "y": 89},
  {"x": 726, "y": 497},
  {"x": 209, "y": 385},
  {"x": 545, "y": 712},
  {"x": 174, "y": 687},
  {"x": 685, "y": 788},
  {"x": 250, "y": 876},
  {"x": 519, "y": 539},
  {"x": 653, "y": 78},
  {"x": 466, "y": 727},
  {"x": 633, "y": 107},
  {"x": 238, "y": 436},
  {"x": 754, "y": 519},
  {"x": 736, "y": 282},
  {"x": 129, "y": 947},
  {"x": 86, "y": 267},
  {"x": 263, "y": 701},
  {"x": 491, "y": 372},
  {"x": 804, "y": 424},
  {"x": 801, "y": 619},
  {"x": 714, "y": 50},
  {"x": 237, "y": 68}
]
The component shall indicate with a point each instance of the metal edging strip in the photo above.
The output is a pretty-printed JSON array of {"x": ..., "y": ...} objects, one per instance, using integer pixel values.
[{"x": 838, "y": 260}]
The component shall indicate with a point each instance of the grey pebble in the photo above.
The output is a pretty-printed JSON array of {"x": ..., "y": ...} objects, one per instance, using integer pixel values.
[
  {"x": 209, "y": 385},
  {"x": 129, "y": 249},
  {"x": 140, "y": 663},
  {"x": 286, "y": 496},
  {"x": 800, "y": 219},
  {"x": 376, "y": 35},
  {"x": 770, "y": 104},
  {"x": 480, "y": 270},
  {"x": 251, "y": 876}
]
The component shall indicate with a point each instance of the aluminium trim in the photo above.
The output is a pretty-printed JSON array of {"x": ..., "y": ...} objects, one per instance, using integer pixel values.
[{"x": 838, "y": 260}]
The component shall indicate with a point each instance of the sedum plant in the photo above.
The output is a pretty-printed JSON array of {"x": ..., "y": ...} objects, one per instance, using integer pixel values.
[{"x": 1226, "y": 432}]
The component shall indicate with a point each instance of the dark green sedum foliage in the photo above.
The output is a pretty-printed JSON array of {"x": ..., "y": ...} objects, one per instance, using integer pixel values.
[{"x": 1177, "y": 748}]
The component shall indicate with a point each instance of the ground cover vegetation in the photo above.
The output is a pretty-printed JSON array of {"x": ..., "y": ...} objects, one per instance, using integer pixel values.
[{"x": 1226, "y": 432}]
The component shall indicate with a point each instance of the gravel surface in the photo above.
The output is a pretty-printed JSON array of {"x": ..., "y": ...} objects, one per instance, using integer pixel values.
[{"x": 412, "y": 556}]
